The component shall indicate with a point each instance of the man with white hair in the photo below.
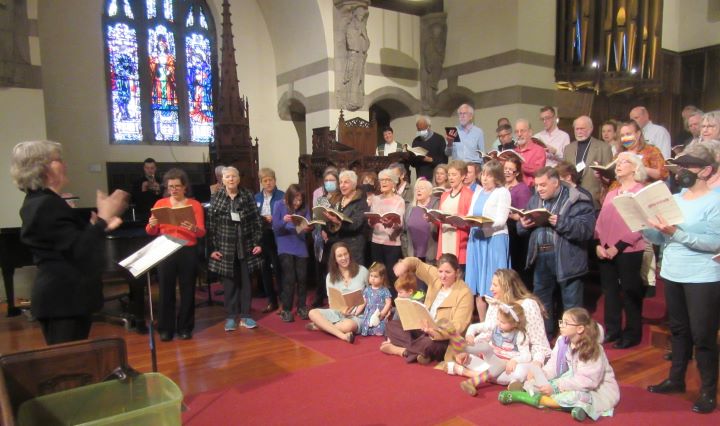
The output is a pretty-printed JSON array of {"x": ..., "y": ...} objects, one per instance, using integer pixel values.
[
  {"x": 435, "y": 146},
  {"x": 534, "y": 155},
  {"x": 471, "y": 138},
  {"x": 652, "y": 133},
  {"x": 585, "y": 151}
]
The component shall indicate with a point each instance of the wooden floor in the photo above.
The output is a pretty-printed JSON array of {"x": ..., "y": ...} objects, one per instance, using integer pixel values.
[{"x": 214, "y": 359}]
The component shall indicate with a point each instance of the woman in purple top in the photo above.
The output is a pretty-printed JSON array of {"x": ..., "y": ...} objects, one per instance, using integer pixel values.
[
  {"x": 292, "y": 251},
  {"x": 620, "y": 252},
  {"x": 519, "y": 198},
  {"x": 420, "y": 234}
]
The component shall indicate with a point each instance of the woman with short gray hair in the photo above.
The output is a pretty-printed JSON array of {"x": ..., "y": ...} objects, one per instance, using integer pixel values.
[
  {"x": 385, "y": 243},
  {"x": 353, "y": 204},
  {"x": 68, "y": 251}
]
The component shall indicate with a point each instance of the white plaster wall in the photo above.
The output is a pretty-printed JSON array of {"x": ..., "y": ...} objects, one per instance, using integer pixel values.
[
  {"x": 22, "y": 118},
  {"x": 480, "y": 28},
  {"x": 509, "y": 75},
  {"x": 536, "y": 25},
  {"x": 697, "y": 28}
]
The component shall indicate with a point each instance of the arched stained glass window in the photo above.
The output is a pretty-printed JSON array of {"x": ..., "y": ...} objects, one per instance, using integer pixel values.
[{"x": 161, "y": 67}]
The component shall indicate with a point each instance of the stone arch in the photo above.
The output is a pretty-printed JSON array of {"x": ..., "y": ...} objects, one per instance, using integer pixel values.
[
  {"x": 450, "y": 99},
  {"x": 397, "y": 102},
  {"x": 292, "y": 106}
]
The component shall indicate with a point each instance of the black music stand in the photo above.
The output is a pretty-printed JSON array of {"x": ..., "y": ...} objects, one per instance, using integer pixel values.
[{"x": 140, "y": 263}]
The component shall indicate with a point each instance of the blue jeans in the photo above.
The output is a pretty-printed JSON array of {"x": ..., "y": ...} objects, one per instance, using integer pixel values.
[{"x": 544, "y": 283}]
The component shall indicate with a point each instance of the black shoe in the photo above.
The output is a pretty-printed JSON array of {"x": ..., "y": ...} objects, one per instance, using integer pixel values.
[
  {"x": 271, "y": 307},
  {"x": 667, "y": 386},
  {"x": 668, "y": 356},
  {"x": 185, "y": 335},
  {"x": 287, "y": 316},
  {"x": 624, "y": 344},
  {"x": 611, "y": 338},
  {"x": 706, "y": 403},
  {"x": 165, "y": 336},
  {"x": 303, "y": 313}
]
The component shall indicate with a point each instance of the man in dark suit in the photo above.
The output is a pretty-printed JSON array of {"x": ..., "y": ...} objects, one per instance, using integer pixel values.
[{"x": 585, "y": 151}]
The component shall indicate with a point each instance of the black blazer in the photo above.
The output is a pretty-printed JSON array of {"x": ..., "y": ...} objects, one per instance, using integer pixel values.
[{"x": 69, "y": 254}]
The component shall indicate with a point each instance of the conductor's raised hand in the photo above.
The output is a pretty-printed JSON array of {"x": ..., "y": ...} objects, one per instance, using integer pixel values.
[{"x": 111, "y": 207}]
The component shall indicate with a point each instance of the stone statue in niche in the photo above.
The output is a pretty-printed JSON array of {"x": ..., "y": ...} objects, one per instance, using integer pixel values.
[
  {"x": 434, "y": 37},
  {"x": 357, "y": 43},
  {"x": 15, "y": 68}
]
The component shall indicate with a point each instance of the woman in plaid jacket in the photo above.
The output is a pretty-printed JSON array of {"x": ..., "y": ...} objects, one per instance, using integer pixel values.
[{"x": 235, "y": 229}]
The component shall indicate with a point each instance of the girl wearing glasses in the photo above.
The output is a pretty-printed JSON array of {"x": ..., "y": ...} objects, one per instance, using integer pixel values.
[{"x": 577, "y": 376}]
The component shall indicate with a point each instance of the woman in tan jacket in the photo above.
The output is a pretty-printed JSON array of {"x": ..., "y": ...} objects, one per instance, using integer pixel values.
[{"x": 448, "y": 298}]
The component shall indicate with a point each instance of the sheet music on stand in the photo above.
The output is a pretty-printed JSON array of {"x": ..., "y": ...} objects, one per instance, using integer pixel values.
[{"x": 149, "y": 255}]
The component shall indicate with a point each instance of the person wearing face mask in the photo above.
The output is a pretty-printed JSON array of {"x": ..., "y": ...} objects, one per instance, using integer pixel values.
[
  {"x": 633, "y": 141},
  {"x": 435, "y": 145},
  {"x": 692, "y": 277}
]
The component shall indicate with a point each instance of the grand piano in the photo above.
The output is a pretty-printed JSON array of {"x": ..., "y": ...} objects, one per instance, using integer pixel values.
[{"x": 118, "y": 244}]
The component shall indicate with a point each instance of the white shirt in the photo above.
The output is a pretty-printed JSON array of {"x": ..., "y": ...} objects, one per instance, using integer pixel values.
[
  {"x": 439, "y": 299},
  {"x": 557, "y": 139},
  {"x": 657, "y": 135},
  {"x": 389, "y": 149}
]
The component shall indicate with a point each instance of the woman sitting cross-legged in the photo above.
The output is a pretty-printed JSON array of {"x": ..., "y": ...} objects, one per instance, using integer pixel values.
[
  {"x": 448, "y": 298},
  {"x": 346, "y": 275}
]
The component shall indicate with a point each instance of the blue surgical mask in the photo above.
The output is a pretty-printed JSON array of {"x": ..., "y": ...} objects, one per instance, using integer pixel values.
[{"x": 330, "y": 186}]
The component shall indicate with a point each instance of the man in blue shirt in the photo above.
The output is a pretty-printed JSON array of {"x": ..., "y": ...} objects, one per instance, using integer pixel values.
[{"x": 471, "y": 138}]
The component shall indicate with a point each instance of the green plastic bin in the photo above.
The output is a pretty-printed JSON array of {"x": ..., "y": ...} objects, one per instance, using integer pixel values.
[{"x": 148, "y": 399}]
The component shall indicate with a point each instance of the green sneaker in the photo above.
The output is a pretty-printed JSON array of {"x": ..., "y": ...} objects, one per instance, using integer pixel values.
[{"x": 509, "y": 397}]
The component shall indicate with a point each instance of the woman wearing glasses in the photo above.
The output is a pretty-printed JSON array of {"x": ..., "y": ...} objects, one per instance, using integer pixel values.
[{"x": 181, "y": 266}]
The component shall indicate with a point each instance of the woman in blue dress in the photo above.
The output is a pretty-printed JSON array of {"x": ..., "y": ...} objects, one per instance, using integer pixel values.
[{"x": 489, "y": 244}]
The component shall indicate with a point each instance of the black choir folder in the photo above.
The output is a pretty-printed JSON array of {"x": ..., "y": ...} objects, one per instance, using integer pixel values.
[
  {"x": 652, "y": 201},
  {"x": 151, "y": 254}
]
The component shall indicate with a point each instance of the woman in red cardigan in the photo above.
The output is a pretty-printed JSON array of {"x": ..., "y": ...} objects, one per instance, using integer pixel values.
[
  {"x": 180, "y": 266},
  {"x": 456, "y": 201}
]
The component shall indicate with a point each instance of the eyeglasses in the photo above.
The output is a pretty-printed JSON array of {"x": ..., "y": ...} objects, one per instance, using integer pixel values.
[
  {"x": 563, "y": 323},
  {"x": 385, "y": 180}
]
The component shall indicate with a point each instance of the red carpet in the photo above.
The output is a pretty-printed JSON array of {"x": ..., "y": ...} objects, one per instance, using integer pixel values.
[{"x": 365, "y": 386}]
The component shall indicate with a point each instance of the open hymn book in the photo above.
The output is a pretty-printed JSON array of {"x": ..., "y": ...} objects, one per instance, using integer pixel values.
[
  {"x": 539, "y": 216},
  {"x": 607, "y": 171},
  {"x": 301, "y": 223},
  {"x": 151, "y": 254},
  {"x": 319, "y": 210},
  {"x": 340, "y": 301},
  {"x": 413, "y": 314},
  {"x": 652, "y": 201},
  {"x": 174, "y": 215},
  {"x": 416, "y": 151},
  {"x": 393, "y": 217}
]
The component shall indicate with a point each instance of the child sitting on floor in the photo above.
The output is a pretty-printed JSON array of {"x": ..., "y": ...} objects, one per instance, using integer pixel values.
[
  {"x": 378, "y": 302},
  {"x": 580, "y": 376},
  {"x": 407, "y": 288},
  {"x": 493, "y": 352}
]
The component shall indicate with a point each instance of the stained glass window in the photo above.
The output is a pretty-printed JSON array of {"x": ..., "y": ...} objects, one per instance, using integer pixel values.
[
  {"x": 124, "y": 82},
  {"x": 160, "y": 73}
]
